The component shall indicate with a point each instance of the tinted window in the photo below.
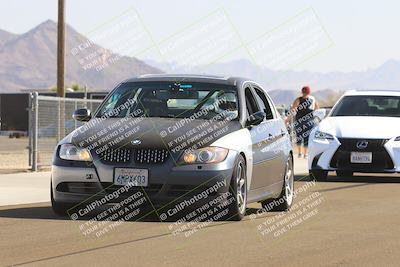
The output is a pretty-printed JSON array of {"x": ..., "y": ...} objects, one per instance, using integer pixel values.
[
  {"x": 200, "y": 100},
  {"x": 264, "y": 104},
  {"x": 386, "y": 106},
  {"x": 251, "y": 103}
]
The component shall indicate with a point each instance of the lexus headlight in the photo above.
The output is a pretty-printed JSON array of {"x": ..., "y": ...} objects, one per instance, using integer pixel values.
[
  {"x": 204, "y": 155},
  {"x": 71, "y": 152},
  {"x": 322, "y": 135}
]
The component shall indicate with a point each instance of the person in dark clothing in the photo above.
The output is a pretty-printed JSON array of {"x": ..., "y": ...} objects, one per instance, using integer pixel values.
[{"x": 304, "y": 122}]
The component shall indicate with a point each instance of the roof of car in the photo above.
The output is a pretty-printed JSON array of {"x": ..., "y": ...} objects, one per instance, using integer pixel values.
[
  {"x": 374, "y": 92},
  {"x": 187, "y": 78}
]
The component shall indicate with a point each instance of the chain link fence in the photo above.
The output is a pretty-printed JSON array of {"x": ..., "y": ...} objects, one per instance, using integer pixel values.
[{"x": 50, "y": 120}]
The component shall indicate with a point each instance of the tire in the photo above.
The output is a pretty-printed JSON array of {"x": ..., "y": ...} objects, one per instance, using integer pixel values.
[
  {"x": 238, "y": 190},
  {"x": 319, "y": 175},
  {"x": 344, "y": 173},
  {"x": 59, "y": 208},
  {"x": 285, "y": 199}
]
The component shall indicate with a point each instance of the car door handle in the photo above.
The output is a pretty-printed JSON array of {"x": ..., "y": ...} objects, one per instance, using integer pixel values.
[
  {"x": 283, "y": 132},
  {"x": 270, "y": 137}
]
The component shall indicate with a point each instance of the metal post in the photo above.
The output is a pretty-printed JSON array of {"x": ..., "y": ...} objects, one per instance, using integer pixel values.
[
  {"x": 61, "y": 65},
  {"x": 60, "y": 49},
  {"x": 85, "y": 97},
  {"x": 59, "y": 120},
  {"x": 30, "y": 117},
  {"x": 85, "y": 94},
  {"x": 75, "y": 121},
  {"x": 35, "y": 128}
]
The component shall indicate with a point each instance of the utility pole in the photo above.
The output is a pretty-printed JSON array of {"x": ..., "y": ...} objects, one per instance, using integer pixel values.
[
  {"x": 61, "y": 68},
  {"x": 61, "y": 49}
]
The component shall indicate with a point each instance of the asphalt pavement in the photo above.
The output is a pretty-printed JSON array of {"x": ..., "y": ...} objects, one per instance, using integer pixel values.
[{"x": 352, "y": 221}]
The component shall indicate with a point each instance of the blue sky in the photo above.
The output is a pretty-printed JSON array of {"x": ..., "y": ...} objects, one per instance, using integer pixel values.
[{"x": 364, "y": 33}]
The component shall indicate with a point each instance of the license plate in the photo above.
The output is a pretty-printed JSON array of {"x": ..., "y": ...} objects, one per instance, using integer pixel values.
[
  {"x": 137, "y": 177},
  {"x": 361, "y": 157}
]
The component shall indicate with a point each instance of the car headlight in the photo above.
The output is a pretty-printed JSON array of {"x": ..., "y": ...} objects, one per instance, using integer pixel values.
[
  {"x": 322, "y": 135},
  {"x": 71, "y": 152},
  {"x": 397, "y": 138},
  {"x": 204, "y": 155}
]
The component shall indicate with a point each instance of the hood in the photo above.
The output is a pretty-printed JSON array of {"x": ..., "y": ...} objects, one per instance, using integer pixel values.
[
  {"x": 163, "y": 133},
  {"x": 359, "y": 126}
]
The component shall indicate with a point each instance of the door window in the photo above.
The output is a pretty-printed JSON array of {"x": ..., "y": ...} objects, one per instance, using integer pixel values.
[
  {"x": 264, "y": 104},
  {"x": 251, "y": 103}
]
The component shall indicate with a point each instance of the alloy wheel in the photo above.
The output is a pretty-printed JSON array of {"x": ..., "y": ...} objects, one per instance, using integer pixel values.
[
  {"x": 241, "y": 192},
  {"x": 289, "y": 182}
]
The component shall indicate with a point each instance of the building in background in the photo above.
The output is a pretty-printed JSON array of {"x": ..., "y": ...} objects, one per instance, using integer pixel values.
[{"x": 14, "y": 110}]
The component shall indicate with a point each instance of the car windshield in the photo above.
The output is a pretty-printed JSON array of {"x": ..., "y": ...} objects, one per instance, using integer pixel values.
[
  {"x": 171, "y": 100},
  {"x": 366, "y": 105}
]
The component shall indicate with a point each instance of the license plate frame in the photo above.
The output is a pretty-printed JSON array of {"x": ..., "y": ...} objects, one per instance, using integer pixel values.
[
  {"x": 361, "y": 157},
  {"x": 139, "y": 177}
]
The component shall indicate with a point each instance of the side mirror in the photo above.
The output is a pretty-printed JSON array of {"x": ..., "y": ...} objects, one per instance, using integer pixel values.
[
  {"x": 256, "y": 118},
  {"x": 82, "y": 114}
]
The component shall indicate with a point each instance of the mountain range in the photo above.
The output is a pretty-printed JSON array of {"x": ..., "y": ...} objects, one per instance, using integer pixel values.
[
  {"x": 385, "y": 77},
  {"x": 28, "y": 61},
  {"x": 284, "y": 86}
]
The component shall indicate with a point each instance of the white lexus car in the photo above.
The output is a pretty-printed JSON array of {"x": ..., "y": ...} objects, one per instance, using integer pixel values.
[{"x": 361, "y": 134}]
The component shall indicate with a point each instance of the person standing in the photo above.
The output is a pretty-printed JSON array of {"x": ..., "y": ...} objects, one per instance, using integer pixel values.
[{"x": 304, "y": 122}]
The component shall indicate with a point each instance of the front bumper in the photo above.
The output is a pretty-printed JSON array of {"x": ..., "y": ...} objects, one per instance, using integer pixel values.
[
  {"x": 334, "y": 155},
  {"x": 167, "y": 182}
]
